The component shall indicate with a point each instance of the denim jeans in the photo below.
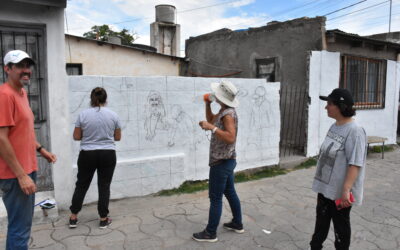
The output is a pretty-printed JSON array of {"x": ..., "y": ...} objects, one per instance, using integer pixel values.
[
  {"x": 327, "y": 211},
  {"x": 104, "y": 162},
  {"x": 19, "y": 208},
  {"x": 221, "y": 182}
]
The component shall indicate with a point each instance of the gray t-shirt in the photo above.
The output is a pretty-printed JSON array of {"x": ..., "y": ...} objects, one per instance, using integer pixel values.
[
  {"x": 98, "y": 126},
  {"x": 344, "y": 145}
]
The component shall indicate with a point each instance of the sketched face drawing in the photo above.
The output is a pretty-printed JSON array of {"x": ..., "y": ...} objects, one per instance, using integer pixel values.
[
  {"x": 155, "y": 115},
  {"x": 259, "y": 95},
  {"x": 154, "y": 99}
]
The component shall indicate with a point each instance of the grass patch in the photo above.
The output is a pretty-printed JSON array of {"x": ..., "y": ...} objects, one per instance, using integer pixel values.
[
  {"x": 186, "y": 187},
  {"x": 378, "y": 149},
  {"x": 265, "y": 172},
  {"x": 306, "y": 164}
]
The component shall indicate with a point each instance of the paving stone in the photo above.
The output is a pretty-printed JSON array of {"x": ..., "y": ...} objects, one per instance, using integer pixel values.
[
  {"x": 112, "y": 240},
  {"x": 65, "y": 232},
  {"x": 77, "y": 242},
  {"x": 41, "y": 238},
  {"x": 283, "y": 205}
]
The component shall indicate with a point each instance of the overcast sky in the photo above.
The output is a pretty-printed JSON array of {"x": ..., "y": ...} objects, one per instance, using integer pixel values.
[{"x": 197, "y": 17}]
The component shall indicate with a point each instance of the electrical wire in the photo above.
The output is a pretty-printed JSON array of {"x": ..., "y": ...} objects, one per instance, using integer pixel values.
[
  {"x": 344, "y": 8},
  {"x": 183, "y": 11},
  {"x": 360, "y": 10}
]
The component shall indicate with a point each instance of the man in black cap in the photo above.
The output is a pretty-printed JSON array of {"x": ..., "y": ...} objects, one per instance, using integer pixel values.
[{"x": 340, "y": 171}]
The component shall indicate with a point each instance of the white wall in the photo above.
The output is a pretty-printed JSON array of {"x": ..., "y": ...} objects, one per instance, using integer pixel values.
[
  {"x": 324, "y": 74},
  {"x": 174, "y": 148},
  {"x": 53, "y": 20}
]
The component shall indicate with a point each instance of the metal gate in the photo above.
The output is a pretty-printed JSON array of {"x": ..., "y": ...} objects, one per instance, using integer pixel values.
[
  {"x": 31, "y": 40},
  {"x": 293, "y": 101}
]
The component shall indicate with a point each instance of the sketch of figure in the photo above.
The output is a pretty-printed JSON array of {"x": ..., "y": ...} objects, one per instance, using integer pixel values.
[
  {"x": 155, "y": 115},
  {"x": 181, "y": 127},
  {"x": 259, "y": 116}
]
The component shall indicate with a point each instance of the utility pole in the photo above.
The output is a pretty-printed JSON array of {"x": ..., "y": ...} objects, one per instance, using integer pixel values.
[{"x": 390, "y": 15}]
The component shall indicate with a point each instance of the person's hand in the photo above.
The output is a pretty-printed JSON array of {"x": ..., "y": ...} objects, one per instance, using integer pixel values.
[
  {"x": 345, "y": 199},
  {"x": 206, "y": 125},
  {"x": 50, "y": 157},
  {"x": 27, "y": 185},
  {"x": 206, "y": 98}
]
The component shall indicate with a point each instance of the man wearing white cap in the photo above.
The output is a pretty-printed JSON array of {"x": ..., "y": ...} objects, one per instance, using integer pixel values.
[{"x": 18, "y": 163}]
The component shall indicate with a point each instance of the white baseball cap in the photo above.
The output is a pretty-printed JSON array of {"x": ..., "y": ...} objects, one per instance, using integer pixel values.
[{"x": 15, "y": 56}]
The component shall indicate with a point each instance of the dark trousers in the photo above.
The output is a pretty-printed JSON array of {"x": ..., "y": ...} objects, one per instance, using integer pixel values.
[
  {"x": 104, "y": 162},
  {"x": 221, "y": 182},
  {"x": 327, "y": 211}
]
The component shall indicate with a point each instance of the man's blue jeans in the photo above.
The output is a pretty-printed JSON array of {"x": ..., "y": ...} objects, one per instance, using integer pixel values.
[
  {"x": 19, "y": 211},
  {"x": 221, "y": 182}
]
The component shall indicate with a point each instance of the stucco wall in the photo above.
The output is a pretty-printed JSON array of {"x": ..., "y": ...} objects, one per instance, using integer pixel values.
[
  {"x": 114, "y": 60},
  {"x": 225, "y": 51},
  {"x": 324, "y": 77},
  {"x": 162, "y": 150},
  {"x": 53, "y": 20}
]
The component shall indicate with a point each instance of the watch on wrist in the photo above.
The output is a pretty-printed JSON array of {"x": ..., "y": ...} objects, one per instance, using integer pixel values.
[
  {"x": 214, "y": 129},
  {"x": 39, "y": 148}
]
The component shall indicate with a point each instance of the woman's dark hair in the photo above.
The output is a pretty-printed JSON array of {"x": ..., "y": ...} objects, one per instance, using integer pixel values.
[
  {"x": 98, "y": 97},
  {"x": 345, "y": 110}
]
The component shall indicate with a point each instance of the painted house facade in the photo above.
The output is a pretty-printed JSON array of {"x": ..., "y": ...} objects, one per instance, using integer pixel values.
[
  {"x": 281, "y": 51},
  {"x": 93, "y": 57},
  {"x": 37, "y": 26}
]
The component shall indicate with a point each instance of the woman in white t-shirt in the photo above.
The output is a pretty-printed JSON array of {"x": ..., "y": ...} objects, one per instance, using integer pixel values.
[{"x": 97, "y": 128}]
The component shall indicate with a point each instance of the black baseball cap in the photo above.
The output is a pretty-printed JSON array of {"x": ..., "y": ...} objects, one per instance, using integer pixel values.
[{"x": 339, "y": 96}]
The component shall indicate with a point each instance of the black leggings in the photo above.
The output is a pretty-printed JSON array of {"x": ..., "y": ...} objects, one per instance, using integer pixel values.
[
  {"x": 327, "y": 211},
  {"x": 104, "y": 162}
]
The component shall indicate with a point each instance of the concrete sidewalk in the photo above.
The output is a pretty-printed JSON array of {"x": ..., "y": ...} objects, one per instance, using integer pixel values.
[{"x": 284, "y": 206}]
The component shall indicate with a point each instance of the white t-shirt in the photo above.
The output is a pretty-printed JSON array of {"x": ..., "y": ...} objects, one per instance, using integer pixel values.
[
  {"x": 344, "y": 145},
  {"x": 98, "y": 126}
]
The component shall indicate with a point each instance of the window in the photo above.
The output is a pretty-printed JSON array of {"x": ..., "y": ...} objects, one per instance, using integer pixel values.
[
  {"x": 365, "y": 78},
  {"x": 31, "y": 41},
  {"x": 266, "y": 68},
  {"x": 74, "y": 69}
]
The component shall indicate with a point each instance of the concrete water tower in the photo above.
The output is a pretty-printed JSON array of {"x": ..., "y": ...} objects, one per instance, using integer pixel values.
[{"x": 164, "y": 32}]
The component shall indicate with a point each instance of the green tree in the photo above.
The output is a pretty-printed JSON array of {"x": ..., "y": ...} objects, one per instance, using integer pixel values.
[{"x": 103, "y": 32}]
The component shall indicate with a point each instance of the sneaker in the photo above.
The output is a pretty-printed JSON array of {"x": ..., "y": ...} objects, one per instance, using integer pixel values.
[
  {"x": 72, "y": 223},
  {"x": 205, "y": 236},
  {"x": 238, "y": 228},
  {"x": 104, "y": 223}
]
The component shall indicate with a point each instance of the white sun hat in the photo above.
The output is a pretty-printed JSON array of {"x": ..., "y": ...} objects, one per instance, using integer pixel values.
[
  {"x": 15, "y": 56},
  {"x": 225, "y": 92}
]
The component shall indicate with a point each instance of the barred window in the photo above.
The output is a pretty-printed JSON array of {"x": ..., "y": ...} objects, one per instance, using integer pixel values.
[
  {"x": 365, "y": 78},
  {"x": 30, "y": 41}
]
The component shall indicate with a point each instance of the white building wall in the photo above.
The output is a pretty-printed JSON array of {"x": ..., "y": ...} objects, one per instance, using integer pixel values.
[
  {"x": 53, "y": 20},
  {"x": 162, "y": 146},
  {"x": 114, "y": 60},
  {"x": 324, "y": 74}
]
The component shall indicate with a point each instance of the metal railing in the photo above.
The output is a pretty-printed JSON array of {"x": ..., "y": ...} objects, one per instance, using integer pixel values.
[{"x": 293, "y": 117}]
